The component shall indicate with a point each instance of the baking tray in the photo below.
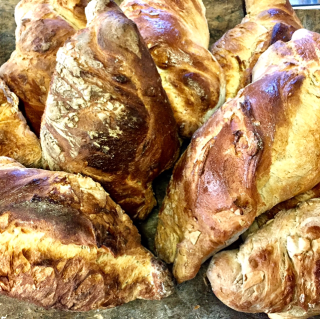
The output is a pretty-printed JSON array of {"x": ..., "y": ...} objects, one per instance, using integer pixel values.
[{"x": 193, "y": 299}]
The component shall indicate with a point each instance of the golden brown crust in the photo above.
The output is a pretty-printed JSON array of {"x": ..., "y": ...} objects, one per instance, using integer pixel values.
[
  {"x": 42, "y": 28},
  {"x": 239, "y": 49},
  {"x": 16, "y": 139},
  {"x": 65, "y": 244},
  {"x": 176, "y": 33},
  {"x": 277, "y": 269},
  {"x": 107, "y": 115},
  {"x": 280, "y": 108}
]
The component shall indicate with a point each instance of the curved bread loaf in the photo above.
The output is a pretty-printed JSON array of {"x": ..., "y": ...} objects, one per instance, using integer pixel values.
[
  {"x": 246, "y": 158},
  {"x": 107, "y": 115},
  {"x": 42, "y": 28},
  {"x": 277, "y": 269},
  {"x": 65, "y": 244},
  {"x": 16, "y": 139},
  {"x": 177, "y": 35},
  {"x": 239, "y": 49}
]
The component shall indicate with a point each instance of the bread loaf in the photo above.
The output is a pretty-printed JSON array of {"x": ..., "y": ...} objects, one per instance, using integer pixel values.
[
  {"x": 239, "y": 49},
  {"x": 42, "y": 28},
  {"x": 177, "y": 35},
  {"x": 65, "y": 244},
  {"x": 16, "y": 139},
  {"x": 277, "y": 269},
  {"x": 247, "y": 158},
  {"x": 107, "y": 115}
]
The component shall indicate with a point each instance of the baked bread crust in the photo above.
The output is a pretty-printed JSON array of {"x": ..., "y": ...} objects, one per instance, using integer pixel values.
[
  {"x": 16, "y": 139},
  {"x": 107, "y": 115},
  {"x": 240, "y": 48},
  {"x": 231, "y": 173},
  {"x": 65, "y": 244},
  {"x": 177, "y": 35},
  {"x": 42, "y": 28},
  {"x": 277, "y": 269}
]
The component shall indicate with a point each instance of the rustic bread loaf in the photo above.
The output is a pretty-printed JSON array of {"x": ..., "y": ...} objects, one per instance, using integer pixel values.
[
  {"x": 42, "y": 28},
  {"x": 239, "y": 49},
  {"x": 65, "y": 244},
  {"x": 277, "y": 269},
  {"x": 177, "y": 35},
  {"x": 107, "y": 115},
  {"x": 258, "y": 150},
  {"x": 16, "y": 139}
]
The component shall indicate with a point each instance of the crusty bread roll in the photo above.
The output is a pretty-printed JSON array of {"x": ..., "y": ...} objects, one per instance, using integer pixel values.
[
  {"x": 177, "y": 35},
  {"x": 239, "y": 49},
  {"x": 42, "y": 28},
  {"x": 259, "y": 149},
  {"x": 277, "y": 269},
  {"x": 107, "y": 115},
  {"x": 16, "y": 139},
  {"x": 65, "y": 244}
]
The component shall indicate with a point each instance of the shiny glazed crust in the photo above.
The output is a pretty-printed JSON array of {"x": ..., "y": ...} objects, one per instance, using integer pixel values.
[
  {"x": 239, "y": 49},
  {"x": 107, "y": 115},
  {"x": 247, "y": 158},
  {"x": 177, "y": 35},
  {"x": 65, "y": 244}
]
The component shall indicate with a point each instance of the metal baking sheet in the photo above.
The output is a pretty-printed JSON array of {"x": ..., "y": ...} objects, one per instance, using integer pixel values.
[{"x": 193, "y": 299}]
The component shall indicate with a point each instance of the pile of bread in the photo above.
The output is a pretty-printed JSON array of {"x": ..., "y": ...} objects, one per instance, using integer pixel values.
[{"x": 111, "y": 92}]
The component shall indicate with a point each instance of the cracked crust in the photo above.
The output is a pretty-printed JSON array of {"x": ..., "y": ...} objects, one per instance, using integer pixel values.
[
  {"x": 246, "y": 159},
  {"x": 276, "y": 270},
  {"x": 240, "y": 48},
  {"x": 65, "y": 244},
  {"x": 177, "y": 35},
  {"x": 16, "y": 139},
  {"x": 107, "y": 115}
]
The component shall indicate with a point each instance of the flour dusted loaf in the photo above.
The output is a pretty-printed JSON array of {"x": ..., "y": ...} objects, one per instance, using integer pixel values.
[
  {"x": 42, "y": 28},
  {"x": 16, "y": 139},
  {"x": 107, "y": 115},
  {"x": 239, "y": 49},
  {"x": 258, "y": 150},
  {"x": 177, "y": 35},
  {"x": 277, "y": 269},
  {"x": 65, "y": 244}
]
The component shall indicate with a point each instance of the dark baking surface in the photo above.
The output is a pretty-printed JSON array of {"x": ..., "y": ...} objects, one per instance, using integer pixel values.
[{"x": 193, "y": 299}]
